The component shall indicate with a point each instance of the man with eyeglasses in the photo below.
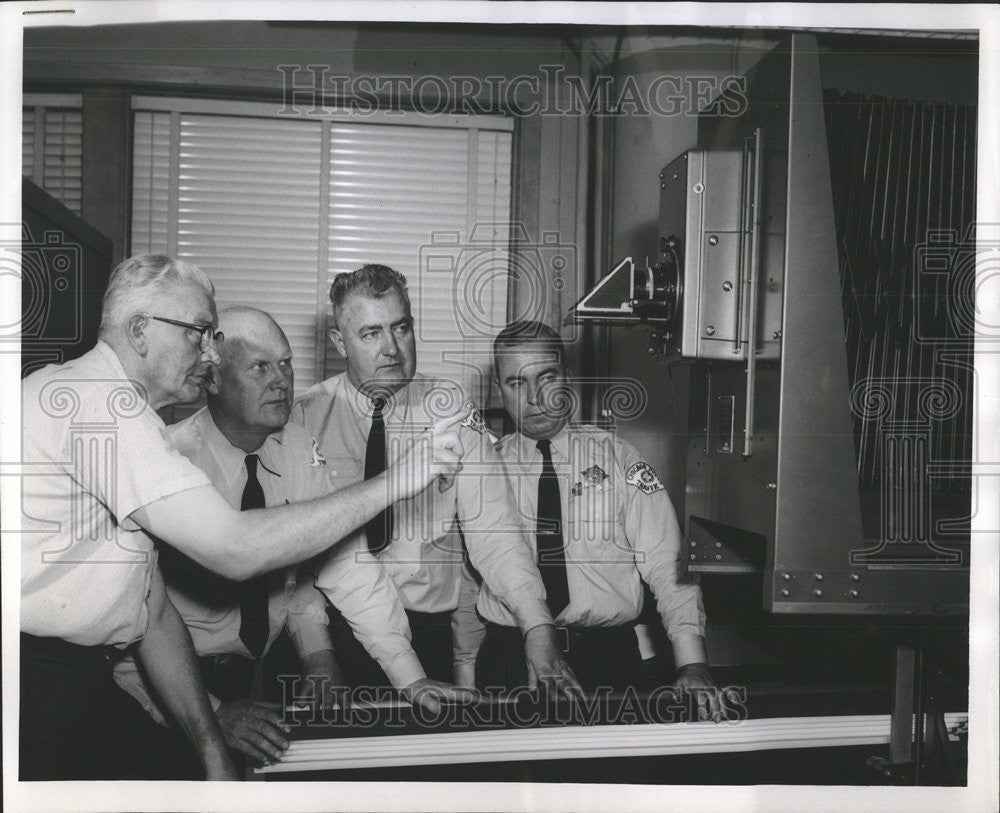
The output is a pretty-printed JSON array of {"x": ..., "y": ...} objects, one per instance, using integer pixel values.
[
  {"x": 208, "y": 333},
  {"x": 102, "y": 481}
]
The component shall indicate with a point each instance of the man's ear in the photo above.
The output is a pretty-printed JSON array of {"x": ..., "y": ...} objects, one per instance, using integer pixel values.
[
  {"x": 135, "y": 333},
  {"x": 213, "y": 378},
  {"x": 495, "y": 383},
  {"x": 338, "y": 341}
]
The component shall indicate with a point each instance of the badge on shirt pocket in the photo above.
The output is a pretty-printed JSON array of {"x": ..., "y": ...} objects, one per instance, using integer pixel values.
[
  {"x": 318, "y": 458},
  {"x": 594, "y": 505},
  {"x": 594, "y": 477}
]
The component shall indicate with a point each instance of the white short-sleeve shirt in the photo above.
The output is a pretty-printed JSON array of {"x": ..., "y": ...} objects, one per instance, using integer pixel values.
[{"x": 93, "y": 453}]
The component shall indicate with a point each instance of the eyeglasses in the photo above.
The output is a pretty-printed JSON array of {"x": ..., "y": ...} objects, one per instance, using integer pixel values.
[{"x": 208, "y": 333}]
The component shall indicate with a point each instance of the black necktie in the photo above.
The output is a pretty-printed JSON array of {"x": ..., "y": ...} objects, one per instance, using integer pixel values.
[
  {"x": 379, "y": 528},
  {"x": 548, "y": 533},
  {"x": 254, "y": 629}
]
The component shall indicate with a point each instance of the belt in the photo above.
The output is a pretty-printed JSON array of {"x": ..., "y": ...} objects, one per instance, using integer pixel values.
[
  {"x": 64, "y": 650},
  {"x": 570, "y": 637},
  {"x": 427, "y": 619},
  {"x": 227, "y": 676}
]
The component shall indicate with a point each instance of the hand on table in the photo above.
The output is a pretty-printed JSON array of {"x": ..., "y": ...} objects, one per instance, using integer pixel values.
[
  {"x": 254, "y": 729},
  {"x": 546, "y": 664},
  {"x": 695, "y": 679},
  {"x": 430, "y": 694}
]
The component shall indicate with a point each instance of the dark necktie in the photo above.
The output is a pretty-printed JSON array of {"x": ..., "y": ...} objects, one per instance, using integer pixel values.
[
  {"x": 379, "y": 528},
  {"x": 548, "y": 534},
  {"x": 254, "y": 629}
]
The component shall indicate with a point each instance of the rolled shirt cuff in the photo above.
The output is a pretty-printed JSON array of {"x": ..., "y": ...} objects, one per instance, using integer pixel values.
[
  {"x": 531, "y": 612},
  {"x": 465, "y": 675},
  {"x": 404, "y": 669},
  {"x": 688, "y": 649},
  {"x": 308, "y": 639}
]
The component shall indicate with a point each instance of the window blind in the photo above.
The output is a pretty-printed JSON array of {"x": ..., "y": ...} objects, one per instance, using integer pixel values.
[
  {"x": 412, "y": 198},
  {"x": 272, "y": 208},
  {"x": 52, "y": 145},
  {"x": 238, "y": 197}
]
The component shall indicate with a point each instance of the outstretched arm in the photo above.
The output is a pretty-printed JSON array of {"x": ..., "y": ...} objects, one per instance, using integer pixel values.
[
  {"x": 167, "y": 657},
  {"x": 243, "y": 544}
]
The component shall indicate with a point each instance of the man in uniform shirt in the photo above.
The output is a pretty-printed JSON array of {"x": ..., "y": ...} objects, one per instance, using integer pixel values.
[
  {"x": 356, "y": 416},
  {"x": 100, "y": 479},
  {"x": 243, "y": 442},
  {"x": 603, "y": 523}
]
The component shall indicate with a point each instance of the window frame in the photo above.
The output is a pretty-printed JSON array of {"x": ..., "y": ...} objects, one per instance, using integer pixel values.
[
  {"x": 42, "y": 104},
  {"x": 177, "y": 106}
]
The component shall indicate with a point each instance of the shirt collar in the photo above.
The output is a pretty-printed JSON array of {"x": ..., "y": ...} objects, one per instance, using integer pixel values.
[
  {"x": 397, "y": 404},
  {"x": 107, "y": 352},
  {"x": 110, "y": 357},
  {"x": 559, "y": 446},
  {"x": 232, "y": 460}
]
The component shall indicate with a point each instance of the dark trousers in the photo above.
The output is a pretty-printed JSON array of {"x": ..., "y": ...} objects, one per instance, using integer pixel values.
[
  {"x": 75, "y": 723},
  {"x": 431, "y": 638},
  {"x": 228, "y": 677},
  {"x": 599, "y": 656}
]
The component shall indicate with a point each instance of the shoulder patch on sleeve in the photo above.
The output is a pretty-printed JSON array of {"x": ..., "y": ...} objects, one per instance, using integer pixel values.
[{"x": 642, "y": 476}]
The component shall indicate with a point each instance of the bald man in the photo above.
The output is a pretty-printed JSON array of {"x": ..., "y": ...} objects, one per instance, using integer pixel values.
[{"x": 241, "y": 441}]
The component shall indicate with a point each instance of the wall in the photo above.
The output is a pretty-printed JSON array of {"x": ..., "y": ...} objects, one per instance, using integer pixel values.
[
  {"x": 643, "y": 145},
  {"x": 241, "y": 60},
  {"x": 551, "y": 163},
  {"x": 917, "y": 71}
]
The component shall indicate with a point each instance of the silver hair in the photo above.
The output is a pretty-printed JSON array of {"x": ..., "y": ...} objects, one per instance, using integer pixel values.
[{"x": 139, "y": 281}]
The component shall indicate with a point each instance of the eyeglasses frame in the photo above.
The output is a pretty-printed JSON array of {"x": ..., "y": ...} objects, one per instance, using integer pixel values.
[{"x": 208, "y": 333}]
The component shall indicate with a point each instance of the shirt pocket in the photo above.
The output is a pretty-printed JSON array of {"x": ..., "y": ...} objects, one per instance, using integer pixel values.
[
  {"x": 595, "y": 521},
  {"x": 206, "y": 609},
  {"x": 343, "y": 470}
]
